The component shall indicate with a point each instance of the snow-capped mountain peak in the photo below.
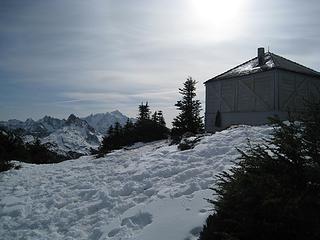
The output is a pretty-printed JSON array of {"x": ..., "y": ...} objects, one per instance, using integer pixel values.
[
  {"x": 75, "y": 121},
  {"x": 74, "y": 134},
  {"x": 52, "y": 124},
  {"x": 116, "y": 112},
  {"x": 102, "y": 121}
]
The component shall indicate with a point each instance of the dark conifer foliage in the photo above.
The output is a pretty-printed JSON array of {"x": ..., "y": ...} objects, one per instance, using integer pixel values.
[
  {"x": 39, "y": 154},
  {"x": 144, "y": 112},
  {"x": 189, "y": 119},
  {"x": 13, "y": 148},
  {"x": 147, "y": 128},
  {"x": 160, "y": 119},
  {"x": 130, "y": 132},
  {"x": 154, "y": 117},
  {"x": 274, "y": 190}
]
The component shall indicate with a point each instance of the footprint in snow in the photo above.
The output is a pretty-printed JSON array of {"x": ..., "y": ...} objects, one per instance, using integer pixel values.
[
  {"x": 202, "y": 210},
  {"x": 138, "y": 221}
]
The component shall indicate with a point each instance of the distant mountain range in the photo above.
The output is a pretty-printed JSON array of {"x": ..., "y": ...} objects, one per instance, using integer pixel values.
[
  {"x": 102, "y": 121},
  {"x": 73, "y": 136}
]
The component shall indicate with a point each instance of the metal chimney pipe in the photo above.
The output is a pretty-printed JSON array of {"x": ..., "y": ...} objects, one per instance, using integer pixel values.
[{"x": 261, "y": 56}]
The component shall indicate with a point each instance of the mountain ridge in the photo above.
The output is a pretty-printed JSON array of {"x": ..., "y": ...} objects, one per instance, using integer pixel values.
[
  {"x": 48, "y": 124},
  {"x": 74, "y": 134}
]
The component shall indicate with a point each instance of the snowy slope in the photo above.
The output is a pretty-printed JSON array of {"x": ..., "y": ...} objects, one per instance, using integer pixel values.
[
  {"x": 72, "y": 139},
  {"x": 150, "y": 192},
  {"x": 75, "y": 137}
]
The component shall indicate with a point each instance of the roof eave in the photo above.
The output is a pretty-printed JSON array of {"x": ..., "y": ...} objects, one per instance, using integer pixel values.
[
  {"x": 274, "y": 68},
  {"x": 243, "y": 75},
  {"x": 302, "y": 73}
]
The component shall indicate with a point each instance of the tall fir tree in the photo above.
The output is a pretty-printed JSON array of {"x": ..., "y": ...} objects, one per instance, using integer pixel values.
[
  {"x": 189, "y": 119},
  {"x": 144, "y": 112}
]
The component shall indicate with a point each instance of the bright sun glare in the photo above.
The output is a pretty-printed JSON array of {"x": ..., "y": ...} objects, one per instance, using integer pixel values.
[{"x": 219, "y": 18}]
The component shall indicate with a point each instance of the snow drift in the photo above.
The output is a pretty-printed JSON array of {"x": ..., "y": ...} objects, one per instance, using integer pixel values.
[{"x": 150, "y": 192}]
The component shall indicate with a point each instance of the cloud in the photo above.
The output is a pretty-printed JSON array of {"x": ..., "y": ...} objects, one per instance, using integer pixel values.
[{"x": 61, "y": 56}]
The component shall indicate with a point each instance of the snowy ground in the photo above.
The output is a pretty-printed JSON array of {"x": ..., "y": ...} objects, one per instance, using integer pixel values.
[{"x": 150, "y": 192}]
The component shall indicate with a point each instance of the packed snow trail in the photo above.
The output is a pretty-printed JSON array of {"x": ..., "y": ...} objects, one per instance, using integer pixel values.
[{"x": 150, "y": 192}]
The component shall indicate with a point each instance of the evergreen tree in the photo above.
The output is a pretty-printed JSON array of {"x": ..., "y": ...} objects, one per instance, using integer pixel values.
[
  {"x": 160, "y": 119},
  {"x": 106, "y": 145},
  {"x": 144, "y": 112},
  {"x": 274, "y": 190},
  {"x": 146, "y": 129},
  {"x": 13, "y": 148},
  {"x": 189, "y": 119},
  {"x": 129, "y": 132},
  {"x": 154, "y": 117},
  {"x": 129, "y": 125},
  {"x": 39, "y": 154},
  {"x": 144, "y": 124},
  {"x": 117, "y": 129},
  {"x": 110, "y": 130}
]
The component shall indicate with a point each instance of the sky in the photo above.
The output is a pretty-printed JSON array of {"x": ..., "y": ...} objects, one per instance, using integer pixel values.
[{"x": 60, "y": 57}]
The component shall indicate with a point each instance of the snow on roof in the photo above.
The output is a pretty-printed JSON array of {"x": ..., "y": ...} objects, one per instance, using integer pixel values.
[{"x": 272, "y": 61}]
